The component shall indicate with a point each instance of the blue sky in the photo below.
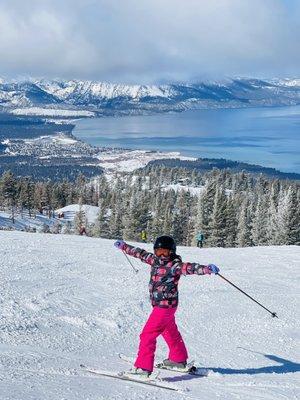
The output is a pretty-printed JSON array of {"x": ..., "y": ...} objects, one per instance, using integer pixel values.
[{"x": 149, "y": 41}]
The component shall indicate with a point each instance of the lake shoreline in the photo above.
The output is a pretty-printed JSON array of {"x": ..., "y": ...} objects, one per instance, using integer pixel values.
[{"x": 143, "y": 132}]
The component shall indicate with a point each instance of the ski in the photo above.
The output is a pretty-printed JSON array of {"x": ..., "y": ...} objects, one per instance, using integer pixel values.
[
  {"x": 189, "y": 369},
  {"x": 122, "y": 376}
]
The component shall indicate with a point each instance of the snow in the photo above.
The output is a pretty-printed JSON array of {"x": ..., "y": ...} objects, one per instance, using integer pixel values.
[
  {"x": 91, "y": 212},
  {"x": 23, "y": 221},
  {"x": 105, "y": 90},
  {"x": 67, "y": 300},
  {"x": 65, "y": 140},
  {"x": 288, "y": 82},
  {"x": 50, "y": 112},
  {"x": 194, "y": 191},
  {"x": 126, "y": 161},
  {"x": 135, "y": 98},
  {"x": 5, "y": 141}
]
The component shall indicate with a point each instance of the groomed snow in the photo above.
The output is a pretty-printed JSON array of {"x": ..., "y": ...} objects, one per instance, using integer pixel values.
[
  {"x": 91, "y": 212},
  {"x": 67, "y": 300}
]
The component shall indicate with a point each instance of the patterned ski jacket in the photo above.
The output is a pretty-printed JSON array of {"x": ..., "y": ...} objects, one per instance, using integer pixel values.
[{"x": 165, "y": 275}]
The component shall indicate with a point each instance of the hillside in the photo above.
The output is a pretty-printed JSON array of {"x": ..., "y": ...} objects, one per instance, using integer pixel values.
[
  {"x": 208, "y": 164},
  {"x": 69, "y": 299},
  {"x": 32, "y": 97}
]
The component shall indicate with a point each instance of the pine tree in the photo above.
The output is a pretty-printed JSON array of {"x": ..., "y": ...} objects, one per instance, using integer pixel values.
[
  {"x": 8, "y": 185},
  {"x": 243, "y": 229},
  {"x": 102, "y": 226},
  {"x": 80, "y": 220},
  {"x": 289, "y": 217},
  {"x": 26, "y": 195},
  {"x": 157, "y": 213},
  {"x": 231, "y": 222},
  {"x": 259, "y": 233},
  {"x": 181, "y": 218},
  {"x": 218, "y": 220},
  {"x": 273, "y": 228},
  {"x": 205, "y": 209}
]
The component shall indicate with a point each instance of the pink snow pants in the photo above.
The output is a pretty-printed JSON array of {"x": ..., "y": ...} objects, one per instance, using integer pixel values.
[{"x": 160, "y": 322}]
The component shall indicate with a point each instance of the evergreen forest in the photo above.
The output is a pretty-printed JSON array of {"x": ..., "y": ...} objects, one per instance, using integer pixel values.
[{"x": 230, "y": 209}]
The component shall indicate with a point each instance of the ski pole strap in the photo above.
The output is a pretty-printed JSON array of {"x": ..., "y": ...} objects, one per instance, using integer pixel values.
[
  {"x": 133, "y": 267},
  {"x": 274, "y": 315}
]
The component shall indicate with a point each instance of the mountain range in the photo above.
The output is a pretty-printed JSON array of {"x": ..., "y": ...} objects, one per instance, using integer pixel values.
[{"x": 110, "y": 99}]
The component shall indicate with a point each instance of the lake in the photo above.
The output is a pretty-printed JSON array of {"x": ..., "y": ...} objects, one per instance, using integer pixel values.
[{"x": 264, "y": 136}]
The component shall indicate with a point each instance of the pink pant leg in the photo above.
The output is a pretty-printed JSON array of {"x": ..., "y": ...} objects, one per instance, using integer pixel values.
[
  {"x": 155, "y": 326},
  {"x": 173, "y": 338}
]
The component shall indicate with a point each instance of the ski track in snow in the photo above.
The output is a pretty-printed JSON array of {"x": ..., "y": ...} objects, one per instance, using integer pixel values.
[{"x": 67, "y": 300}]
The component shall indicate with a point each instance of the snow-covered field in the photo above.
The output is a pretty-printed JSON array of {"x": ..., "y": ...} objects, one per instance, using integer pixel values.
[
  {"x": 117, "y": 160},
  {"x": 69, "y": 299}
]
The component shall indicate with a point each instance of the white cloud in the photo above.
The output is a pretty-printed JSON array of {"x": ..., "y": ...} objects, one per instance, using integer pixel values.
[{"x": 149, "y": 40}]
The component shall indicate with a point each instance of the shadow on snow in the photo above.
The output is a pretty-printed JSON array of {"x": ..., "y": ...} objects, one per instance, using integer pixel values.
[{"x": 284, "y": 367}]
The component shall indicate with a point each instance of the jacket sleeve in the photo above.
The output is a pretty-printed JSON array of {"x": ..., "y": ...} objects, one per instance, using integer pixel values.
[
  {"x": 136, "y": 252},
  {"x": 185, "y": 268}
]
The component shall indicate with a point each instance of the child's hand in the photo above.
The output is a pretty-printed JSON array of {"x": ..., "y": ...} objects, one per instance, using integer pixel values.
[
  {"x": 120, "y": 244},
  {"x": 211, "y": 269}
]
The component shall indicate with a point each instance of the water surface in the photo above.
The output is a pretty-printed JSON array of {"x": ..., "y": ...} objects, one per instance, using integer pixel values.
[{"x": 265, "y": 136}]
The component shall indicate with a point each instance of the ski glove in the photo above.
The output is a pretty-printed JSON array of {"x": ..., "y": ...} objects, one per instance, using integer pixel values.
[
  {"x": 120, "y": 244},
  {"x": 211, "y": 269}
]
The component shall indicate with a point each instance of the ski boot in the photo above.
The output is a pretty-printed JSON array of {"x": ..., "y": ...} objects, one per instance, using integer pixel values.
[
  {"x": 138, "y": 373},
  {"x": 169, "y": 364},
  {"x": 182, "y": 367}
]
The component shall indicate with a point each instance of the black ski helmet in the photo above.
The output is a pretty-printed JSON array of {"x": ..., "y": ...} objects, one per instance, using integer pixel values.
[{"x": 165, "y": 242}]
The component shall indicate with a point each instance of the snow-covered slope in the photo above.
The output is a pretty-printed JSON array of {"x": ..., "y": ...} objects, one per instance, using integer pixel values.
[
  {"x": 51, "y": 112},
  {"x": 90, "y": 212},
  {"x": 116, "y": 160},
  {"x": 23, "y": 221},
  {"x": 111, "y": 99},
  {"x": 70, "y": 299},
  {"x": 105, "y": 90}
]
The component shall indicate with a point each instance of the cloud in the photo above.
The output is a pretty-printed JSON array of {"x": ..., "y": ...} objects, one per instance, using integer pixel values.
[{"x": 149, "y": 40}]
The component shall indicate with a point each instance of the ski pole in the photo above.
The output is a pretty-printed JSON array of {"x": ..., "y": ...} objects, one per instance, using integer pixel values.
[
  {"x": 232, "y": 284},
  {"x": 133, "y": 267}
]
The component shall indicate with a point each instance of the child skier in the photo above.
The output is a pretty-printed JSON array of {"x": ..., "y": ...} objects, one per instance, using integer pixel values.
[{"x": 166, "y": 269}]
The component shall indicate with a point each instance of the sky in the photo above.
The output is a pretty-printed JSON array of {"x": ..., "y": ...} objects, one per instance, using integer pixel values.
[{"x": 149, "y": 41}]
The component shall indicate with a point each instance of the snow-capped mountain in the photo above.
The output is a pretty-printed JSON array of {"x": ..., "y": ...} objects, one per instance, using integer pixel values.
[{"x": 109, "y": 98}]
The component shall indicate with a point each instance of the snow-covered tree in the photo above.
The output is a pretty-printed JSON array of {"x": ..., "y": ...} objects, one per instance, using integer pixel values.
[
  {"x": 259, "y": 232},
  {"x": 231, "y": 222},
  {"x": 218, "y": 231},
  {"x": 243, "y": 229},
  {"x": 8, "y": 187},
  {"x": 289, "y": 217}
]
